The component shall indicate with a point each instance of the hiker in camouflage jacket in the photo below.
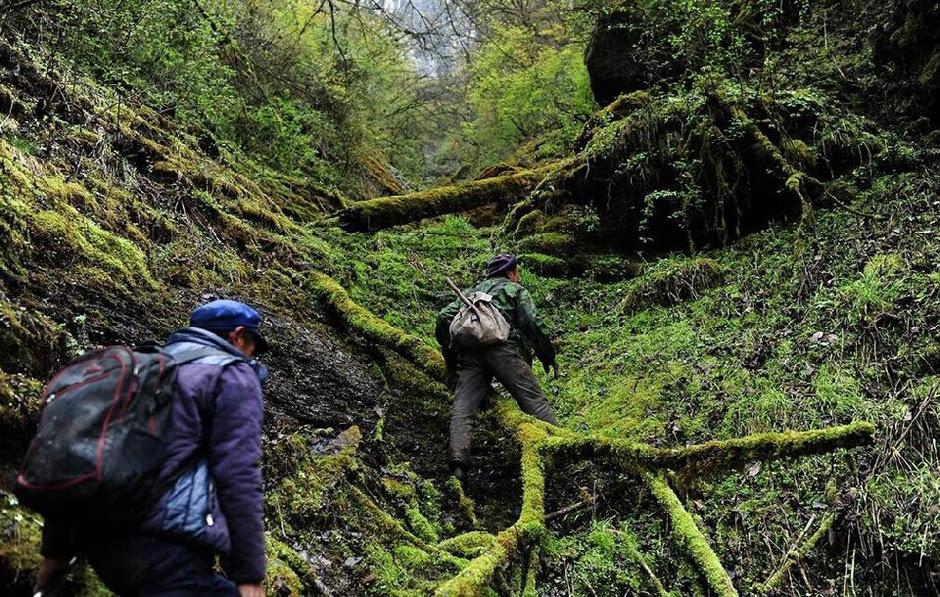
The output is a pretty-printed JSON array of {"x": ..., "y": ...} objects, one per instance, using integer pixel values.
[{"x": 510, "y": 363}]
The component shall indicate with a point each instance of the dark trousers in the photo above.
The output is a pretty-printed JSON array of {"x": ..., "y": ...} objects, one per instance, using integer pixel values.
[
  {"x": 475, "y": 371},
  {"x": 144, "y": 566}
]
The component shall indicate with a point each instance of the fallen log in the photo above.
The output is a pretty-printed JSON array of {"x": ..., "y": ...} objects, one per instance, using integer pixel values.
[{"x": 385, "y": 212}]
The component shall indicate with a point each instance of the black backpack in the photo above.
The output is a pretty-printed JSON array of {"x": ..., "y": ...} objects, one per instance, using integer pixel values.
[{"x": 101, "y": 439}]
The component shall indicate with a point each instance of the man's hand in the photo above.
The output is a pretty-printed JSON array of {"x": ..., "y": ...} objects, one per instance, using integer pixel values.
[
  {"x": 550, "y": 366},
  {"x": 250, "y": 591},
  {"x": 49, "y": 573}
]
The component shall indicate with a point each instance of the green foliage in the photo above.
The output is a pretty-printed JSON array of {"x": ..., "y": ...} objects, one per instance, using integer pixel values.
[
  {"x": 522, "y": 88},
  {"x": 293, "y": 87},
  {"x": 874, "y": 293}
]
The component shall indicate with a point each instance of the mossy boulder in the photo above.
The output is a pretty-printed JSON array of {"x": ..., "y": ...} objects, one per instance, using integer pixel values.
[
  {"x": 556, "y": 244},
  {"x": 317, "y": 465},
  {"x": 671, "y": 281},
  {"x": 621, "y": 58},
  {"x": 545, "y": 265}
]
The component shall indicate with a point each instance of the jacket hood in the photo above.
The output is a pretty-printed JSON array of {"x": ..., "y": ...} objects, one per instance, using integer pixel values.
[{"x": 207, "y": 338}]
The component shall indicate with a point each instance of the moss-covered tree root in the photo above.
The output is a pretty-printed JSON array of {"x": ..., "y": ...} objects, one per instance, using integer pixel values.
[
  {"x": 690, "y": 537},
  {"x": 797, "y": 554},
  {"x": 539, "y": 443},
  {"x": 530, "y": 525}
]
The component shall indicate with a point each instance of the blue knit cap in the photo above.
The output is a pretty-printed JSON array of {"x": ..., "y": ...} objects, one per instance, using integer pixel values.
[
  {"x": 500, "y": 265},
  {"x": 225, "y": 316}
]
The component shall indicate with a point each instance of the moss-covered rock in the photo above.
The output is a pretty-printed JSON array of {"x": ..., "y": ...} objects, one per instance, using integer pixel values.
[
  {"x": 545, "y": 265},
  {"x": 671, "y": 281},
  {"x": 302, "y": 496},
  {"x": 556, "y": 244}
]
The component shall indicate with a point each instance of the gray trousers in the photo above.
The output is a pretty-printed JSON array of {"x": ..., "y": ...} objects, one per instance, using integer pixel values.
[{"x": 475, "y": 371}]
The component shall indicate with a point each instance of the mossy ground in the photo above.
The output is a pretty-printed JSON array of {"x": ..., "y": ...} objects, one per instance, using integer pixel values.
[
  {"x": 831, "y": 322},
  {"x": 805, "y": 328}
]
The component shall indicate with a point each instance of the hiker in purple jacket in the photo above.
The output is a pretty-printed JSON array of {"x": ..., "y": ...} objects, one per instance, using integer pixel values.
[{"x": 215, "y": 506}]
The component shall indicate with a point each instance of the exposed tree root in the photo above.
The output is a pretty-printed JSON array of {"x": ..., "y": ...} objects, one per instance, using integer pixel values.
[
  {"x": 529, "y": 527},
  {"x": 539, "y": 443},
  {"x": 690, "y": 536},
  {"x": 530, "y": 587},
  {"x": 798, "y": 553},
  {"x": 361, "y": 320},
  {"x": 715, "y": 455}
]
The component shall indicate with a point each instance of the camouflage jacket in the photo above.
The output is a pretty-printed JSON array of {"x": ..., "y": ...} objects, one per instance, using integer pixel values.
[{"x": 529, "y": 334}]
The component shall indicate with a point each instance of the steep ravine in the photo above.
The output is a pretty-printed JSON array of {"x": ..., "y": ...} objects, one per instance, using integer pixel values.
[{"x": 788, "y": 283}]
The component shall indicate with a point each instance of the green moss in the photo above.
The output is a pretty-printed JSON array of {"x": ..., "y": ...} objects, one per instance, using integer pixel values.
[
  {"x": 303, "y": 494},
  {"x": 362, "y": 321},
  {"x": 530, "y": 222},
  {"x": 292, "y": 566},
  {"x": 20, "y": 534},
  {"x": 548, "y": 243},
  {"x": 464, "y": 503},
  {"x": 718, "y": 454},
  {"x": 530, "y": 586},
  {"x": 544, "y": 265},
  {"x": 468, "y": 545},
  {"x": 32, "y": 343},
  {"x": 385, "y": 212},
  {"x": 671, "y": 281},
  {"x": 280, "y": 576},
  {"x": 421, "y": 526},
  {"x": 106, "y": 254},
  {"x": 690, "y": 537},
  {"x": 398, "y": 489},
  {"x": 530, "y": 525},
  {"x": 388, "y": 574}
]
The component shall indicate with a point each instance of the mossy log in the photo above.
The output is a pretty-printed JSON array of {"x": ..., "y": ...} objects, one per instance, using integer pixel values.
[
  {"x": 374, "y": 328},
  {"x": 385, "y": 212}
]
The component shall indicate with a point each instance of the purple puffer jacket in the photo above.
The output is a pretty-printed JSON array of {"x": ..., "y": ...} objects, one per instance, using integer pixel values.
[
  {"x": 218, "y": 409},
  {"x": 214, "y": 434}
]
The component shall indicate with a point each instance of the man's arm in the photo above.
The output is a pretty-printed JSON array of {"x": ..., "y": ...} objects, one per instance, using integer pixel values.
[
  {"x": 534, "y": 329},
  {"x": 56, "y": 548},
  {"x": 234, "y": 460}
]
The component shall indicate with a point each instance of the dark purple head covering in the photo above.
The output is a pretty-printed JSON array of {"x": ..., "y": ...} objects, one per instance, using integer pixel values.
[
  {"x": 501, "y": 264},
  {"x": 224, "y": 316}
]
